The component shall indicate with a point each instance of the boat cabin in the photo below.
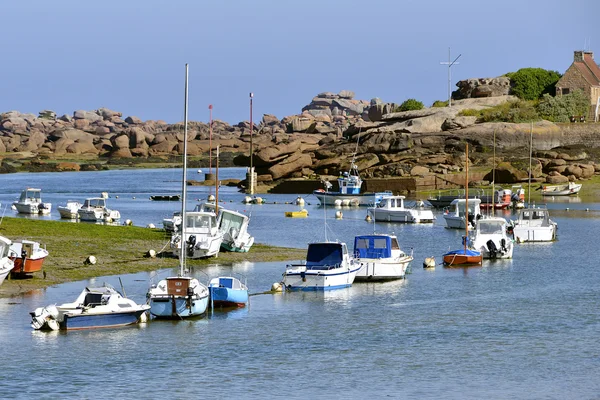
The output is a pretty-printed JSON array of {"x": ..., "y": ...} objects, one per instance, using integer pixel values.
[
  {"x": 375, "y": 246},
  {"x": 200, "y": 221},
  {"x": 326, "y": 255},
  {"x": 30, "y": 195},
  {"x": 232, "y": 222},
  {"x": 531, "y": 214},
  {"x": 350, "y": 182},
  {"x": 94, "y": 202},
  {"x": 178, "y": 286},
  {"x": 494, "y": 226},
  {"x": 391, "y": 202},
  {"x": 4, "y": 247},
  {"x": 458, "y": 207}
]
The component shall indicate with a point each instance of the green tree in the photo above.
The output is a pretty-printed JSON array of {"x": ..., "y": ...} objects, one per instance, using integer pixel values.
[
  {"x": 410, "y": 104},
  {"x": 560, "y": 109},
  {"x": 532, "y": 83}
]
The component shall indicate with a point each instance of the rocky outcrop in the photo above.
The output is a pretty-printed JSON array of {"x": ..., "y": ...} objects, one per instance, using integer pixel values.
[{"x": 482, "y": 87}]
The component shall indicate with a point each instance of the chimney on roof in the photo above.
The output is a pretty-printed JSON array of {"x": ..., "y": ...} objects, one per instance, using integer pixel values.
[{"x": 578, "y": 57}]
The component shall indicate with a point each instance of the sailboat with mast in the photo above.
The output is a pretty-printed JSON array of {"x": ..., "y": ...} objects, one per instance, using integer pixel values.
[
  {"x": 465, "y": 256},
  {"x": 180, "y": 296},
  {"x": 533, "y": 224}
]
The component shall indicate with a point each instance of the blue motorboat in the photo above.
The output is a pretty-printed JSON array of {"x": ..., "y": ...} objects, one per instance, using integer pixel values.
[{"x": 228, "y": 291}]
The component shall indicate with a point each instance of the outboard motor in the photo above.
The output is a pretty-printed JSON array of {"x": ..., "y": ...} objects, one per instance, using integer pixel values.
[
  {"x": 491, "y": 246},
  {"x": 503, "y": 245},
  {"x": 471, "y": 219},
  {"x": 190, "y": 245}
]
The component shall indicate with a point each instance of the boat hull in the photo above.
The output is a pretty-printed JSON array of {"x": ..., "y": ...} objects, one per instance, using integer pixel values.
[
  {"x": 30, "y": 266},
  {"x": 380, "y": 270},
  {"x": 453, "y": 222},
  {"x": 3, "y": 274},
  {"x": 408, "y": 216},
  {"x": 175, "y": 307},
  {"x": 534, "y": 233},
  {"x": 94, "y": 321},
  {"x": 360, "y": 200},
  {"x": 297, "y": 278},
  {"x": 227, "y": 297},
  {"x": 561, "y": 190}
]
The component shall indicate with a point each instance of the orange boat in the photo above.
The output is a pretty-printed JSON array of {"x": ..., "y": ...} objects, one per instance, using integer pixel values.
[
  {"x": 28, "y": 257},
  {"x": 464, "y": 257}
]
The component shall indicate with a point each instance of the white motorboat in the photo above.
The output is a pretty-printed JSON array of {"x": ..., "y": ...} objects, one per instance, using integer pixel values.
[
  {"x": 6, "y": 262},
  {"x": 101, "y": 307},
  {"x": 172, "y": 224},
  {"x": 234, "y": 226},
  {"x": 69, "y": 210},
  {"x": 490, "y": 237},
  {"x": 391, "y": 209},
  {"x": 456, "y": 214},
  {"x": 202, "y": 237},
  {"x": 566, "y": 189},
  {"x": 182, "y": 295},
  {"x": 380, "y": 258},
  {"x": 328, "y": 266},
  {"x": 28, "y": 257},
  {"x": 94, "y": 209},
  {"x": 30, "y": 202},
  {"x": 534, "y": 225}
]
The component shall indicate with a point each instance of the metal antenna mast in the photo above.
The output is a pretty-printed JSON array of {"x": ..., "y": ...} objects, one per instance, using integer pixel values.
[{"x": 450, "y": 64}]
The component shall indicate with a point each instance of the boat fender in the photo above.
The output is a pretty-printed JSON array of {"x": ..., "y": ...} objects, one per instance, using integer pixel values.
[
  {"x": 277, "y": 287},
  {"x": 503, "y": 244},
  {"x": 303, "y": 276}
]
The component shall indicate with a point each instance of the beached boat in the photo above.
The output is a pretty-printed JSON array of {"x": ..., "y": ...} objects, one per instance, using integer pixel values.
[
  {"x": 28, "y": 257},
  {"x": 349, "y": 193},
  {"x": 228, "y": 291},
  {"x": 391, "y": 209},
  {"x": 464, "y": 256},
  {"x": 456, "y": 214},
  {"x": 328, "y": 266},
  {"x": 94, "y": 209},
  {"x": 380, "y": 258},
  {"x": 491, "y": 238},
  {"x": 101, "y": 307},
  {"x": 297, "y": 214},
  {"x": 180, "y": 296},
  {"x": 69, "y": 210},
  {"x": 201, "y": 236},
  {"x": 566, "y": 189},
  {"x": 6, "y": 263},
  {"x": 30, "y": 202},
  {"x": 234, "y": 227},
  {"x": 500, "y": 200}
]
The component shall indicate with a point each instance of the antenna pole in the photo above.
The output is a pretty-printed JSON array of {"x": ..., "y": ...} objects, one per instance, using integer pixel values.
[
  {"x": 184, "y": 183},
  {"x": 450, "y": 64},
  {"x": 210, "y": 108},
  {"x": 530, "y": 155}
]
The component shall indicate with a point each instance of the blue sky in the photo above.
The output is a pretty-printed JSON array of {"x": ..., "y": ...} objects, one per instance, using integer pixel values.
[{"x": 129, "y": 55}]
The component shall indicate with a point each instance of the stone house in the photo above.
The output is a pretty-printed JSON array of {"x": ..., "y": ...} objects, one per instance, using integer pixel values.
[{"x": 583, "y": 74}]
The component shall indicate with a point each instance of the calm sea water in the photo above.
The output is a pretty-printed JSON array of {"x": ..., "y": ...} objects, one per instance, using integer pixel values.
[{"x": 521, "y": 328}]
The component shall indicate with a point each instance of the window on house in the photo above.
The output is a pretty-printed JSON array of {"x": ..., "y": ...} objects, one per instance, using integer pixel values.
[{"x": 565, "y": 90}]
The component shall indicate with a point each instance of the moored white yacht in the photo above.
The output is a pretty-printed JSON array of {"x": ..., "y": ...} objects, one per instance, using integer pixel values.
[
  {"x": 94, "y": 209},
  {"x": 391, "y": 209},
  {"x": 490, "y": 237},
  {"x": 457, "y": 215},
  {"x": 533, "y": 224}
]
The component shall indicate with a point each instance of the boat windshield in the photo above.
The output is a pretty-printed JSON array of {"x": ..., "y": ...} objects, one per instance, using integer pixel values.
[
  {"x": 231, "y": 222},
  {"x": 95, "y": 203},
  {"x": 201, "y": 221},
  {"x": 324, "y": 254},
  {"x": 31, "y": 195},
  {"x": 491, "y": 228}
]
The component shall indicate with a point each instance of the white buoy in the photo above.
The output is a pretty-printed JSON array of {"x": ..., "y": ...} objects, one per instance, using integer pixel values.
[
  {"x": 116, "y": 197},
  {"x": 299, "y": 201},
  {"x": 128, "y": 222},
  {"x": 91, "y": 260},
  {"x": 337, "y": 203},
  {"x": 276, "y": 287},
  {"x": 211, "y": 198},
  {"x": 567, "y": 209},
  {"x": 104, "y": 195},
  {"x": 258, "y": 200},
  {"x": 151, "y": 226},
  {"x": 247, "y": 200},
  {"x": 143, "y": 318},
  {"x": 345, "y": 202},
  {"x": 338, "y": 215},
  {"x": 199, "y": 171},
  {"x": 354, "y": 202},
  {"x": 151, "y": 253},
  {"x": 429, "y": 262},
  {"x": 368, "y": 218}
]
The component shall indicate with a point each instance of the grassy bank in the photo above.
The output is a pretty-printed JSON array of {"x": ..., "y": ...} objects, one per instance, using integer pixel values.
[{"x": 118, "y": 249}]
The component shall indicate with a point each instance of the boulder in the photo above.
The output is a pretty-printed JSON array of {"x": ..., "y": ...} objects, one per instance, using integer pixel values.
[
  {"x": 482, "y": 87},
  {"x": 506, "y": 173},
  {"x": 121, "y": 153},
  {"x": 61, "y": 145},
  {"x": 68, "y": 166},
  {"x": 82, "y": 147},
  {"x": 133, "y": 120},
  {"x": 294, "y": 162},
  {"x": 302, "y": 124},
  {"x": 419, "y": 171},
  {"x": 268, "y": 155},
  {"x": 163, "y": 147},
  {"x": 451, "y": 124},
  {"x": 120, "y": 141},
  {"x": 555, "y": 178},
  {"x": 108, "y": 114},
  {"x": 81, "y": 124},
  {"x": 587, "y": 170},
  {"x": 270, "y": 119},
  {"x": 574, "y": 170},
  {"x": 74, "y": 134},
  {"x": 346, "y": 94},
  {"x": 87, "y": 115}
]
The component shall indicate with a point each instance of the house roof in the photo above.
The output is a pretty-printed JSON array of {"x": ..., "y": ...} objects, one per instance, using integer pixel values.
[{"x": 589, "y": 69}]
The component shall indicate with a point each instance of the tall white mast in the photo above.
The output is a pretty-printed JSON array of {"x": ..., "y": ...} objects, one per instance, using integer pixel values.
[{"x": 184, "y": 182}]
